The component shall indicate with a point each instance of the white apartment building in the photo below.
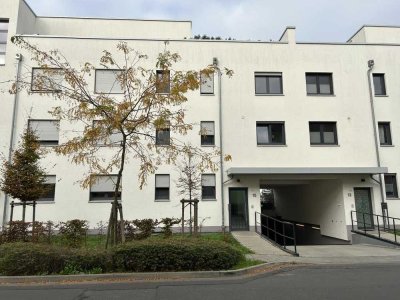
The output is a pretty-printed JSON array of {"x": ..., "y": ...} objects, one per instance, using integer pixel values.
[{"x": 296, "y": 118}]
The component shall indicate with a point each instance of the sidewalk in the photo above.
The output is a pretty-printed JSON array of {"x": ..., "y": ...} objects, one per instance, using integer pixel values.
[{"x": 318, "y": 254}]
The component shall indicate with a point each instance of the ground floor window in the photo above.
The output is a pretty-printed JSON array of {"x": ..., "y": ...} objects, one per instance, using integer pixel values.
[
  {"x": 391, "y": 186},
  {"x": 103, "y": 188},
  {"x": 208, "y": 187},
  {"x": 162, "y": 187}
]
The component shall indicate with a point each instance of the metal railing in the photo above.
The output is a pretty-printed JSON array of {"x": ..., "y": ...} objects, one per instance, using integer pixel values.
[
  {"x": 281, "y": 233},
  {"x": 376, "y": 226}
]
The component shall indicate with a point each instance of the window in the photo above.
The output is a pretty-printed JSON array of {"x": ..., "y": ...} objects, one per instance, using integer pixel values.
[
  {"x": 323, "y": 133},
  {"x": 163, "y": 136},
  {"x": 391, "y": 186},
  {"x": 47, "y": 131},
  {"x": 162, "y": 187},
  {"x": 50, "y": 184},
  {"x": 385, "y": 137},
  {"x": 270, "y": 133},
  {"x": 3, "y": 40},
  {"x": 206, "y": 84},
  {"x": 46, "y": 80},
  {"x": 207, "y": 133},
  {"x": 268, "y": 83},
  {"x": 114, "y": 138},
  {"x": 319, "y": 84},
  {"x": 379, "y": 84},
  {"x": 163, "y": 81},
  {"x": 107, "y": 82},
  {"x": 208, "y": 186},
  {"x": 103, "y": 188}
]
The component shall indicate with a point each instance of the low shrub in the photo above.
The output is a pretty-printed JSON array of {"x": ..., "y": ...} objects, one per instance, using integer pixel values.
[
  {"x": 139, "y": 229},
  {"x": 170, "y": 255},
  {"x": 168, "y": 223},
  {"x": 73, "y": 232}
]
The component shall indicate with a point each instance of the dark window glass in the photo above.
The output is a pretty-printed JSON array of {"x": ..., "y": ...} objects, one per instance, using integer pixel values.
[
  {"x": 268, "y": 84},
  {"x": 270, "y": 133},
  {"x": 391, "y": 186},
  {"x": 163, "y": 82},
  {"x": 50, "y": 193},
  {"x": 319, "y": 84},
  {"x": 379, "y": 84},
  {"x": 100, "y": 196},
  {"x": 208, "y": 192},
  {"x": 162, "y": 193},
  {"x": 385, "y": 137},
  {"x": 163, "y": 136},
  {"x": 323, "y": 133}
]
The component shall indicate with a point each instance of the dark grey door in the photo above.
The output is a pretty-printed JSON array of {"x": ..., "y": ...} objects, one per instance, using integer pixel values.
[
  {"x": 238, "y": 209},
  {"x": 365, "y": 218}
]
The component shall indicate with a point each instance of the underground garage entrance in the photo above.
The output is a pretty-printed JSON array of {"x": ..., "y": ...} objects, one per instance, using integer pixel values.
[{"x": 314, "y": 207}]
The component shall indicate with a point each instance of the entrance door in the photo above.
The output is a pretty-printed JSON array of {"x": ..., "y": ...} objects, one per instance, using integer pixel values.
[
  {"x": 365, "y": 219},
  {"x": 238, "y": 209}
]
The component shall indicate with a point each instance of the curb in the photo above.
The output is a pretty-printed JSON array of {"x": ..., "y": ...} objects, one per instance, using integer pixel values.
[{"x": 148, "y": 276}]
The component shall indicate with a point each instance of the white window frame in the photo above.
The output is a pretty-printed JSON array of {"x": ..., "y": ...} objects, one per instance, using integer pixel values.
[{"x": 46, "y": 142}]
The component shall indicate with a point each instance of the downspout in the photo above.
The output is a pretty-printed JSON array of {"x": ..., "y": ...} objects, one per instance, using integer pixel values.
[
  {"x": 221, "y": 158},
  {"x": 378, "y": 159},
  {"x": 18, "y": 58}
]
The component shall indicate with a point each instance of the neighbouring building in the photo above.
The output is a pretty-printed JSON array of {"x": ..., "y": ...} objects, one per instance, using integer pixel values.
[{"x": 296, "y": 117}]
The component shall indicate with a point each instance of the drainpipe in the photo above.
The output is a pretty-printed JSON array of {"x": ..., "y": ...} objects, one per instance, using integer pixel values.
[
  {"x": 371, "y": 98},
  {"x": 18, "y": 58},
  {"x": 221, "y": 158}
]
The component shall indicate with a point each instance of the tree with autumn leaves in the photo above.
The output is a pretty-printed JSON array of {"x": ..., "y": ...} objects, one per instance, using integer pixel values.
[
  {"x": 151, "y": 100},
  {"x": 23, "y": 178}
]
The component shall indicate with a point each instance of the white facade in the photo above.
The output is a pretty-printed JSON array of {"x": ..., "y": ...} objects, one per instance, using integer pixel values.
[{"x": 319, "y": 199}]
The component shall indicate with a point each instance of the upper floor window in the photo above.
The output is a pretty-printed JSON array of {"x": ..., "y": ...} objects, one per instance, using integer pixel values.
[
  {"x": 103, "y": 188},
  {"x": 385, "y": 137},
  {"x": 208, "y": 187},
  {"x": 207, "y": 133},
  {"x": 319, "y": 83},
  {"x": 391, "y": 186},
  {"x": 46, "y": 80},
  {"x": 323, "y": 133},
  {"x": 3, "y": 40},
  {"x": 268, "y": 83},
  {"x": 379, "y": 84},
  {"x": 163, "y": 136},
  {"x": 50, "y": 185},
  {"x": 107, "y": 81},
  {"x": 114, "y": 137},
  {"x": 163, "y": 81},
  {"x": 270, "y": 133},
  {"x": 206, "y": 83},
  {"x": 47, "y": 131},
  {"x": 162, "y": 187}
]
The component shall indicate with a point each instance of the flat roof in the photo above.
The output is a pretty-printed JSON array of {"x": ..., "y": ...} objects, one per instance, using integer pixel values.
[{"x": 305, "y": 171}]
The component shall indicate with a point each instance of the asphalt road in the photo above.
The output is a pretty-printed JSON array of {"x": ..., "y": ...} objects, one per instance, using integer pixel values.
[{"x": 327, "y": 282}]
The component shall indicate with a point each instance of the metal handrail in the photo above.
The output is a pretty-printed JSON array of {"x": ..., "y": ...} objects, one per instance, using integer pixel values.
[
  {"x": 276, "y": 232},
  {"x": 365, "y": 231}
]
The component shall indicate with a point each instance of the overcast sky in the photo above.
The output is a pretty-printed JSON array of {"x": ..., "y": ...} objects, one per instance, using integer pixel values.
[{"x": 315, "y": 20}]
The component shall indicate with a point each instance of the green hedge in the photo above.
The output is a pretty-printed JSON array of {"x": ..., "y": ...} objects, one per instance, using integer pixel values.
[
  {"x": 157, "y": 255},
  {"x": 172, "y": 255}
]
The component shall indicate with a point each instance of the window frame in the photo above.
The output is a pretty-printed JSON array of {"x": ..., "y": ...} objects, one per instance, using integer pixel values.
[
  {"x": 44, "y": 90},
  {"x": 269, "y": 123},
  {"x": 212, "y": 76},
  {"x": 386, "y": 125},
  {"x": 268, "y": 75},
  {"x": 163, "y": 129},
  {"x": 395, "y": 187},
  {"x": 95, "y": 81},
  {"x": 169, "y": 82},
  {"x": 108, "y": 200},
  {"x": 43, "y": 200},
  {"x": 382, "y": 78},
  {"x": 215, "y": 187},
  {"x": 318, "y": 85},
  {"x": 202, "y": 136},
  {"x": 321, "y": 132},
  {"x": 49, "y": 144},
  {"x": 155, "y": 188}
]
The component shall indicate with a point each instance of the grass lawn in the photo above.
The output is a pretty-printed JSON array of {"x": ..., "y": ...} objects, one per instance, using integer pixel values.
[{"x": 98, "y": 242}]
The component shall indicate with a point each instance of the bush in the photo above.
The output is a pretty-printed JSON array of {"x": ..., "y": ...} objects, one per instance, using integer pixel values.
[
  {"x": 73, "y": 232},
  {"x": 168, "y": 223},
  {"x": 139, "y": 229},
  {"x": 168, "y": 255},
  {"x": 18, "y": 231}
]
